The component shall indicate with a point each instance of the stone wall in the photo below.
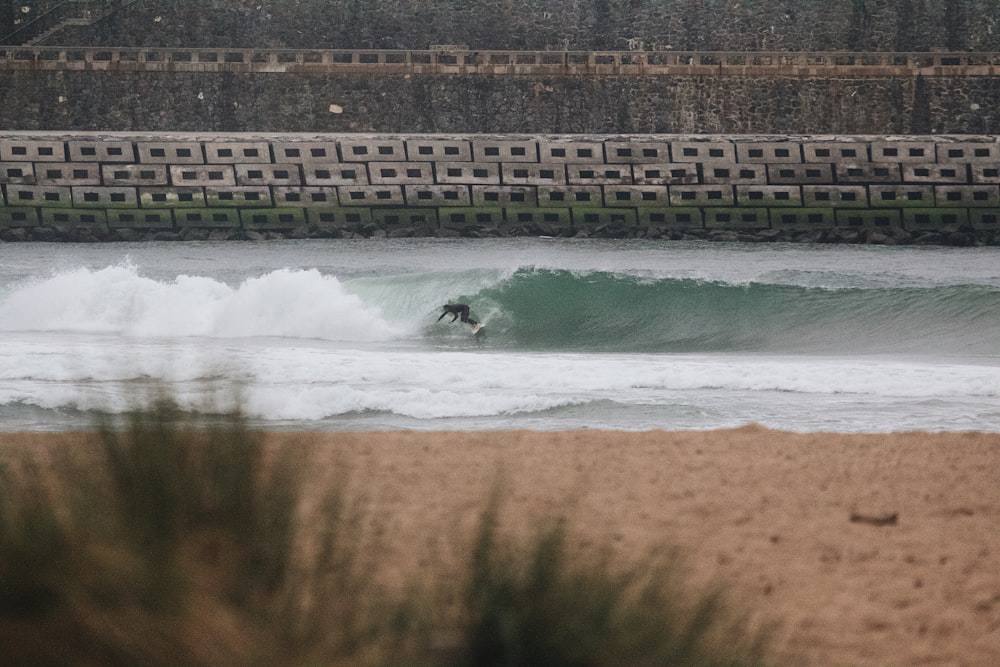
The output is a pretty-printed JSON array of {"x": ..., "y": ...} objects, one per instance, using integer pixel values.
[
  {"x": 103, "y": 186},
  {"x": 230, "y": 102}
]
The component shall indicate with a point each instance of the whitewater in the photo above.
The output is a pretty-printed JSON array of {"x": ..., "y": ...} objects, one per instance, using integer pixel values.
[{"x": 636, "y": 335}]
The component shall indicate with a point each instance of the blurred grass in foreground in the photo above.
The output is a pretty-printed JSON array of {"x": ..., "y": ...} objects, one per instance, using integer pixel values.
[{"x": 183, "y": 544}]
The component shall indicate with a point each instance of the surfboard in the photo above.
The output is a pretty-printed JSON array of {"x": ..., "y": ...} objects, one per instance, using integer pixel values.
[{"x": 477, "y": 328}]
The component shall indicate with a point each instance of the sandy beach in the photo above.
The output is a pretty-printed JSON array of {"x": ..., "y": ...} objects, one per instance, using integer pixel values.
[
  {"x": 862, "y": 549},
  {"x": 766, "y": 514}
]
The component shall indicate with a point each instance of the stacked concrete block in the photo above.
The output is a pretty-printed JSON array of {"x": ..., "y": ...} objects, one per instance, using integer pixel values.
[
  {"x": 411, "y": 184},
  {"x": 504, "y": 150},
  {"x": 598, "y": 174},
  {"x": 523, "y": 173},
  {"x": 506, "y": 196},
  {"x": 437, "y": 195},
  {"x": 471, "y": 173},
  {"x": 68, "y": 173},
  {"x": 628, "y": 152},
  {"x": 135, "y": 174},
  {"x": 401, "y": 173},
  {"x": 437, "y": 150},
  {"x": 666, "y": 173},
  {"x": 105, "y": 197}
]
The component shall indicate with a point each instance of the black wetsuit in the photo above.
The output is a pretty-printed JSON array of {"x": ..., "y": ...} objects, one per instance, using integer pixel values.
[{"x": 458, "y": 310}]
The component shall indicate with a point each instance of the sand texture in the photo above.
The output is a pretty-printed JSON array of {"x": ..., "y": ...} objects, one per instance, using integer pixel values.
[{"x": 863, "y": 549}]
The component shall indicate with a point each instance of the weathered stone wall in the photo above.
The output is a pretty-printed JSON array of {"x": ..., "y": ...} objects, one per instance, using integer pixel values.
[
  {"x": 227, "y": 102},
  {"x": 796, "y": 25}
]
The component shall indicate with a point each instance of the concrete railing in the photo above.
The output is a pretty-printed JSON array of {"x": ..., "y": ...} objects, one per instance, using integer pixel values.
[{"x": 470, "y": 62}]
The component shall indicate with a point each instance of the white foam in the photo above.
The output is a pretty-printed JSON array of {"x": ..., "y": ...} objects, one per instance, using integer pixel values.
[{"x": 117, "y": 299}]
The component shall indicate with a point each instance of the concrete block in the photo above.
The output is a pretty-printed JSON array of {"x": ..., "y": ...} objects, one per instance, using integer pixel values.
[
  {"x": 979, "y": 218},
  {"x": 562, "y": 217},
  {"x": 30, "y": 150},
  {"x": 437, "y": 150},
  {"x": 55, "y": 196},
  {"x": 731, "y": 173},
  {"x": 736, "y": 218},
  {"x": 170, "y": 152},
  {"x": 701, "y": 195},
  {"x": 802, "y": 219},
  {"x": 636, "y": 152},
  {"x": 18, "y": 217},
  {"x": 987, "y": 172},
  {"x": 140, "y": 219},
  {"x": 457, "y": 218},
  {"x": 101, "y": 151},
  {"x": 672, "y": 218},
  {"x": 567, "y": 152},
  {"x": 963, "y": 152},
  {"x": 900, "y": 196},
  {"x": 326, "y": 173},
  {"x": 768, "y": 195},
  {"x": 868, "y": 218},
  {"x": 978, "y": 196},
  {"x": 171, "y": 197},
  {"x": 799, "y": 174},
  {"x": 934, "y": 218},
  {"x": 207, "y": 217},
  {"x": 268, "y": 174},
  {"x": 665, "y": 173},
  {"x": 954, "y": 172},
  {"x": 471, "y": 173},
  {"x": 768, "y": 152},
  {"x": 307, "y": 196},
  {"x": 866, "y": 172},
  {"x": 238, "y": 151},
  {"x": 644, "y": 196},
  {"x": 851, "y": 152},
  {"x": 532, "y": 174},
  {"x": 272, "y": 218},
  {"x": 505, "y": 196},
  {"x": 17, "y": 173},
  {"x": 437, "y": 195},
  {"x": 422, "y": 220},
  {"x": 838, "y": 196},
  {"x": 584, "y": 218},
  {"x": 71, "y": 217},
  {"x": 599, "y": 174},
  {"x": 135, "y": 174},
  {"x": 254, "y": 196},
  {"x": 370, "y": 195},
  {"x": 705, "y": 152},
  {"x": 401, "y": 173},
  {"x": 504, "y": 150},
  {"x": 120, "y": 196},
  {"x": 214, "y": 174},
  {"x": 305, "y": 152},
  {"x": 903, "y": 151},
  {"x": 372, "y": 150},
  {"x": 338, "y": 216},
  {"x": 558, "y": 196},
  {"x": 68, "y": 173}
]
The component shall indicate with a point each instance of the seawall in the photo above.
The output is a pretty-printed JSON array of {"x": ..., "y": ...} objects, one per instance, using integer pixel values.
[{"x": 860, "y": 188}]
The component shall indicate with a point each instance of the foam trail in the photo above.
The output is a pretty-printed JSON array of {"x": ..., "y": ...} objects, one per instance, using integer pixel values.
[{"x": 117, "y": 300}]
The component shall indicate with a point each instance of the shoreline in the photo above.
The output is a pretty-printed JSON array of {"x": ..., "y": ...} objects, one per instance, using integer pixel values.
[{"x": 794, "y": 527}]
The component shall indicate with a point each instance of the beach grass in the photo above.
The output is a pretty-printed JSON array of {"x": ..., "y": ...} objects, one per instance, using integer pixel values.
[{"x": 173, "y": 542}]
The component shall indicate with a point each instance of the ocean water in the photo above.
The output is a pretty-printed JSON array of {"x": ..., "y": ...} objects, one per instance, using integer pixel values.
[{"x": 342, "y": 334}]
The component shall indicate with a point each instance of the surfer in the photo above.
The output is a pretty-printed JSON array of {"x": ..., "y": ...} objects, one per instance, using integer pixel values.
[{"x": 458, "y": 310}]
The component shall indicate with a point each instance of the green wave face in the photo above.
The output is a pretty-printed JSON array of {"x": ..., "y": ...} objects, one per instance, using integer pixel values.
[{"x": 559, "y": 309}]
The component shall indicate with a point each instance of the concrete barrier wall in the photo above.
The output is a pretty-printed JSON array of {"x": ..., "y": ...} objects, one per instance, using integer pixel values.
[{"x": 115, "y": 186}]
